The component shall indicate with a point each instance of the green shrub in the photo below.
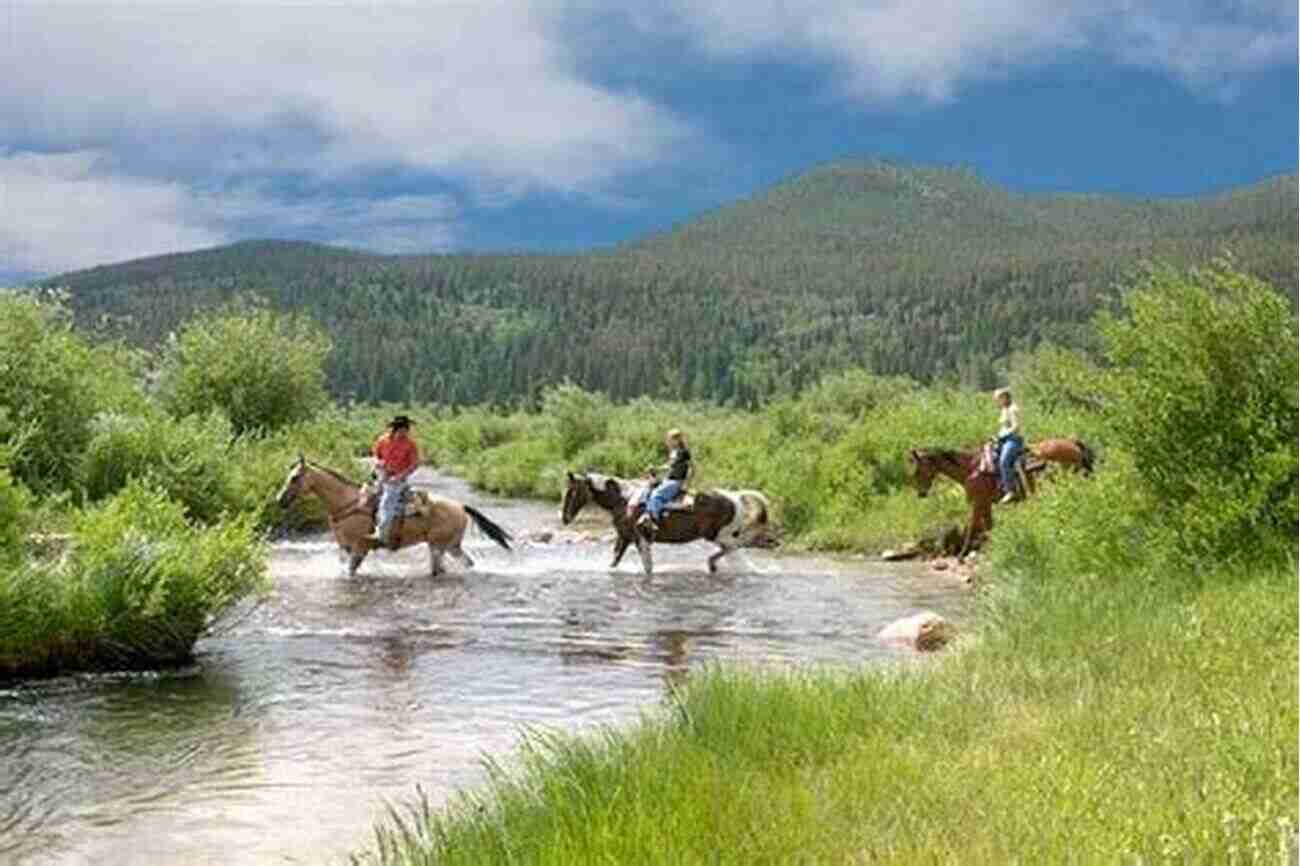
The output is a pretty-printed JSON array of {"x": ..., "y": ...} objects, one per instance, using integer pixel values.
[
  {"x": 137, "y": 586},
  {"x": 190, "y": 458},
  {"x": 52, "y": 383},
  {"x": 263, "y": 369},
  {"x": 579, "y": 417},
  {"x": 855, "y": 391},
  {"x": 1204, "y": 395},
  {"x": 15, "y": 511},
  {"x": 1051, "y": 378},
  {"x": 159, "y": 581}
]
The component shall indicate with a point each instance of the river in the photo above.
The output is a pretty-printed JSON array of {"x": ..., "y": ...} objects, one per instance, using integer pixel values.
[{"x": 333, "y": 696}]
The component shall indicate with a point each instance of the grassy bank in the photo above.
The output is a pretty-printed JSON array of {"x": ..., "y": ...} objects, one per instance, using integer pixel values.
[
  {"x": 1136, "y": 729},
  {"x": 1127, "y": 694}
]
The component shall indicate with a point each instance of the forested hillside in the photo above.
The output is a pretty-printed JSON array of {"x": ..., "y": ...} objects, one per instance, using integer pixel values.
[{"x": 927, "y": 272}]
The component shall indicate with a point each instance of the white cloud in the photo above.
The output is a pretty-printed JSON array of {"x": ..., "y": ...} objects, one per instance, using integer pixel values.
[
  {"x": 894, "y": 50},
  {"x": 184, "y": 116},
  {"x": 71, "y": 210},
  {"x": 481, "y": 90},
  {"x": 60, "y": 211}
]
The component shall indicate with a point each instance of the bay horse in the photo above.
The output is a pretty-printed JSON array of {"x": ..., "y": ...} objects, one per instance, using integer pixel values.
[
  {"x": 439, "y": 522},
  {"x": 962, "y": 467},
  {"x": 982, "y": 489},
  {"x": 728, "y": 519}
]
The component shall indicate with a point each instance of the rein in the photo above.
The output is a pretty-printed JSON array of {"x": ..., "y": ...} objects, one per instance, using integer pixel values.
[{"x": 354, "y": 508}]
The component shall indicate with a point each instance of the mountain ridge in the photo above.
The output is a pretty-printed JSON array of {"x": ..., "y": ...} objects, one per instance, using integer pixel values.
[{"x": 925, "y": 271}]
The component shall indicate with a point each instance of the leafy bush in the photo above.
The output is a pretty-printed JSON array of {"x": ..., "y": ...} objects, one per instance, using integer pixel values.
[
  {"x": 15, "y": 506},
  {"x": 263, "y": 369},
  {"x": 52, "y": 383},
  {"x": 1203, "y": 394},
  {"x": 1054, "y": 378},
  {"x": 189, "y": 458},
  {"x": 160, "y": 581},
  {"x": 579, "y": 417},
  {"x": 137, "y": 587},
  {"x": 855, "y": 391}
]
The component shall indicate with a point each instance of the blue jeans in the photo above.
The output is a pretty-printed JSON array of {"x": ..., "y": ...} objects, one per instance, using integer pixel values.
[
  {"x": 1009, "y": 450},
  {"x": 391, "y": 500},
  {"x": 663, "y": 494}
]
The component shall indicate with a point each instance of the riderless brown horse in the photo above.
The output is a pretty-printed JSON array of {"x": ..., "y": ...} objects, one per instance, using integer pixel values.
[
  {"x": 1068, "y": 452},
  {"x": 438, "y": 522},
  {"x": 729, "y": 519},
  {"x": 964, "y": 467}
]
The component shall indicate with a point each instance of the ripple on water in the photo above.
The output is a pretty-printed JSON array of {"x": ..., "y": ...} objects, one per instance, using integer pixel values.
[{"x": 337, "y": 693}]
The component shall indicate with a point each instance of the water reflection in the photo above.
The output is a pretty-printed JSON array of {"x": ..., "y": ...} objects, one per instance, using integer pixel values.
[{"x": 336, "y": 694}]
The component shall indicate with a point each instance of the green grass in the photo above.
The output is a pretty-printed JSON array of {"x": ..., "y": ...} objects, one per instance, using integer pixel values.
[
  {"x": 135, "y": 585},
  {"x": 1148, "y": 725}
]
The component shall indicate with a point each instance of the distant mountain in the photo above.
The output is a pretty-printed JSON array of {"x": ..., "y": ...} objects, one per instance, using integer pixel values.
[
  {"x": 12, "y": 277},
  {"x": 930, "y": 272}
]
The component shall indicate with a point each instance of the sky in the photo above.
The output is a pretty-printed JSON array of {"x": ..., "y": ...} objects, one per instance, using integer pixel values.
[{"x": 132, "y": 129}]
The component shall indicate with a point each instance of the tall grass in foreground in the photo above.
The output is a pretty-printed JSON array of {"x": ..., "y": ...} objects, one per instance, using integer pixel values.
[{"x": 1136, "y": 730}]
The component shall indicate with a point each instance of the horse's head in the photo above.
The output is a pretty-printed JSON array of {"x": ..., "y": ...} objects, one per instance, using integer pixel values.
[
  {"x": 923, "y": 470},
  {"x": 577, "y": 493},
  {"x": 583, "y": 489},
  {"x": 294, "y": 483}
]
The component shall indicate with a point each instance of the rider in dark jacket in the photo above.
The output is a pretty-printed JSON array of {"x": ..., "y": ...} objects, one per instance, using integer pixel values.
[{"x": 678, "y": 469}]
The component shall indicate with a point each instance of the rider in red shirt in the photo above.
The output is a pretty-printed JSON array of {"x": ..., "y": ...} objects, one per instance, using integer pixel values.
[{"x": 396, "y": 457}]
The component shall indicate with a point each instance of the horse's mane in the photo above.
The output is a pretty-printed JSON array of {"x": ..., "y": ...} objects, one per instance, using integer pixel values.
[
  {"x": 948, "y": 455},
  {"x": 598, "y": 479},
  {"x": 333, "y": 474}
]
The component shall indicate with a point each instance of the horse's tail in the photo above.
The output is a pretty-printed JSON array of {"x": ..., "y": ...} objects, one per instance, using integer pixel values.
[
  {"x": 1086, "y": 458},
  {"x": 752, "y": 514},
  {"x": 760, "y": 518},
  {"x": 490, "y": 529}
]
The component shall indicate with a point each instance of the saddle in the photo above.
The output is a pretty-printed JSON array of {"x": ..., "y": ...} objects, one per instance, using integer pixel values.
[
  {"x": 1026, "y": 462},
  {"x": 415, "y": 503},
  {"x": 683, "y": 501}
]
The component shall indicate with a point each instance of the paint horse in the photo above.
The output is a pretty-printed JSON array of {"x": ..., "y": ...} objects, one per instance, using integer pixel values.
[
  {"x": 437, "y": 521},
  {"x": 981, "y": 486},
  {"x": 729, "y": 519}
]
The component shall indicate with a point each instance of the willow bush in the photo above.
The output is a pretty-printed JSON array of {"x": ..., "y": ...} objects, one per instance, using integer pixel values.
[
  {"x": 137, "y": 586},
  {"x": 263, "y": 369}
]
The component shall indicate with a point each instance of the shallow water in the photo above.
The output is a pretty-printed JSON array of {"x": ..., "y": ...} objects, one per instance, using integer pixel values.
[{"x": 285, "y": 739}]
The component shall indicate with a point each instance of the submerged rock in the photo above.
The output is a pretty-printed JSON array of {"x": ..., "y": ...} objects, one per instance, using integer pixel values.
[{"x": 925, "y": 631}]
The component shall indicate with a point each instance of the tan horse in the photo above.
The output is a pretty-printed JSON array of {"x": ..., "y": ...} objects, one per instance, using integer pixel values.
[
  {"x": 1068, "y": 452},
  {"x": 440, "y": 524}
]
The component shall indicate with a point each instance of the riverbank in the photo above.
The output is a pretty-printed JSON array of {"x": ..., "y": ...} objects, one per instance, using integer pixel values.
[{"x": 1130, "y": 723}]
